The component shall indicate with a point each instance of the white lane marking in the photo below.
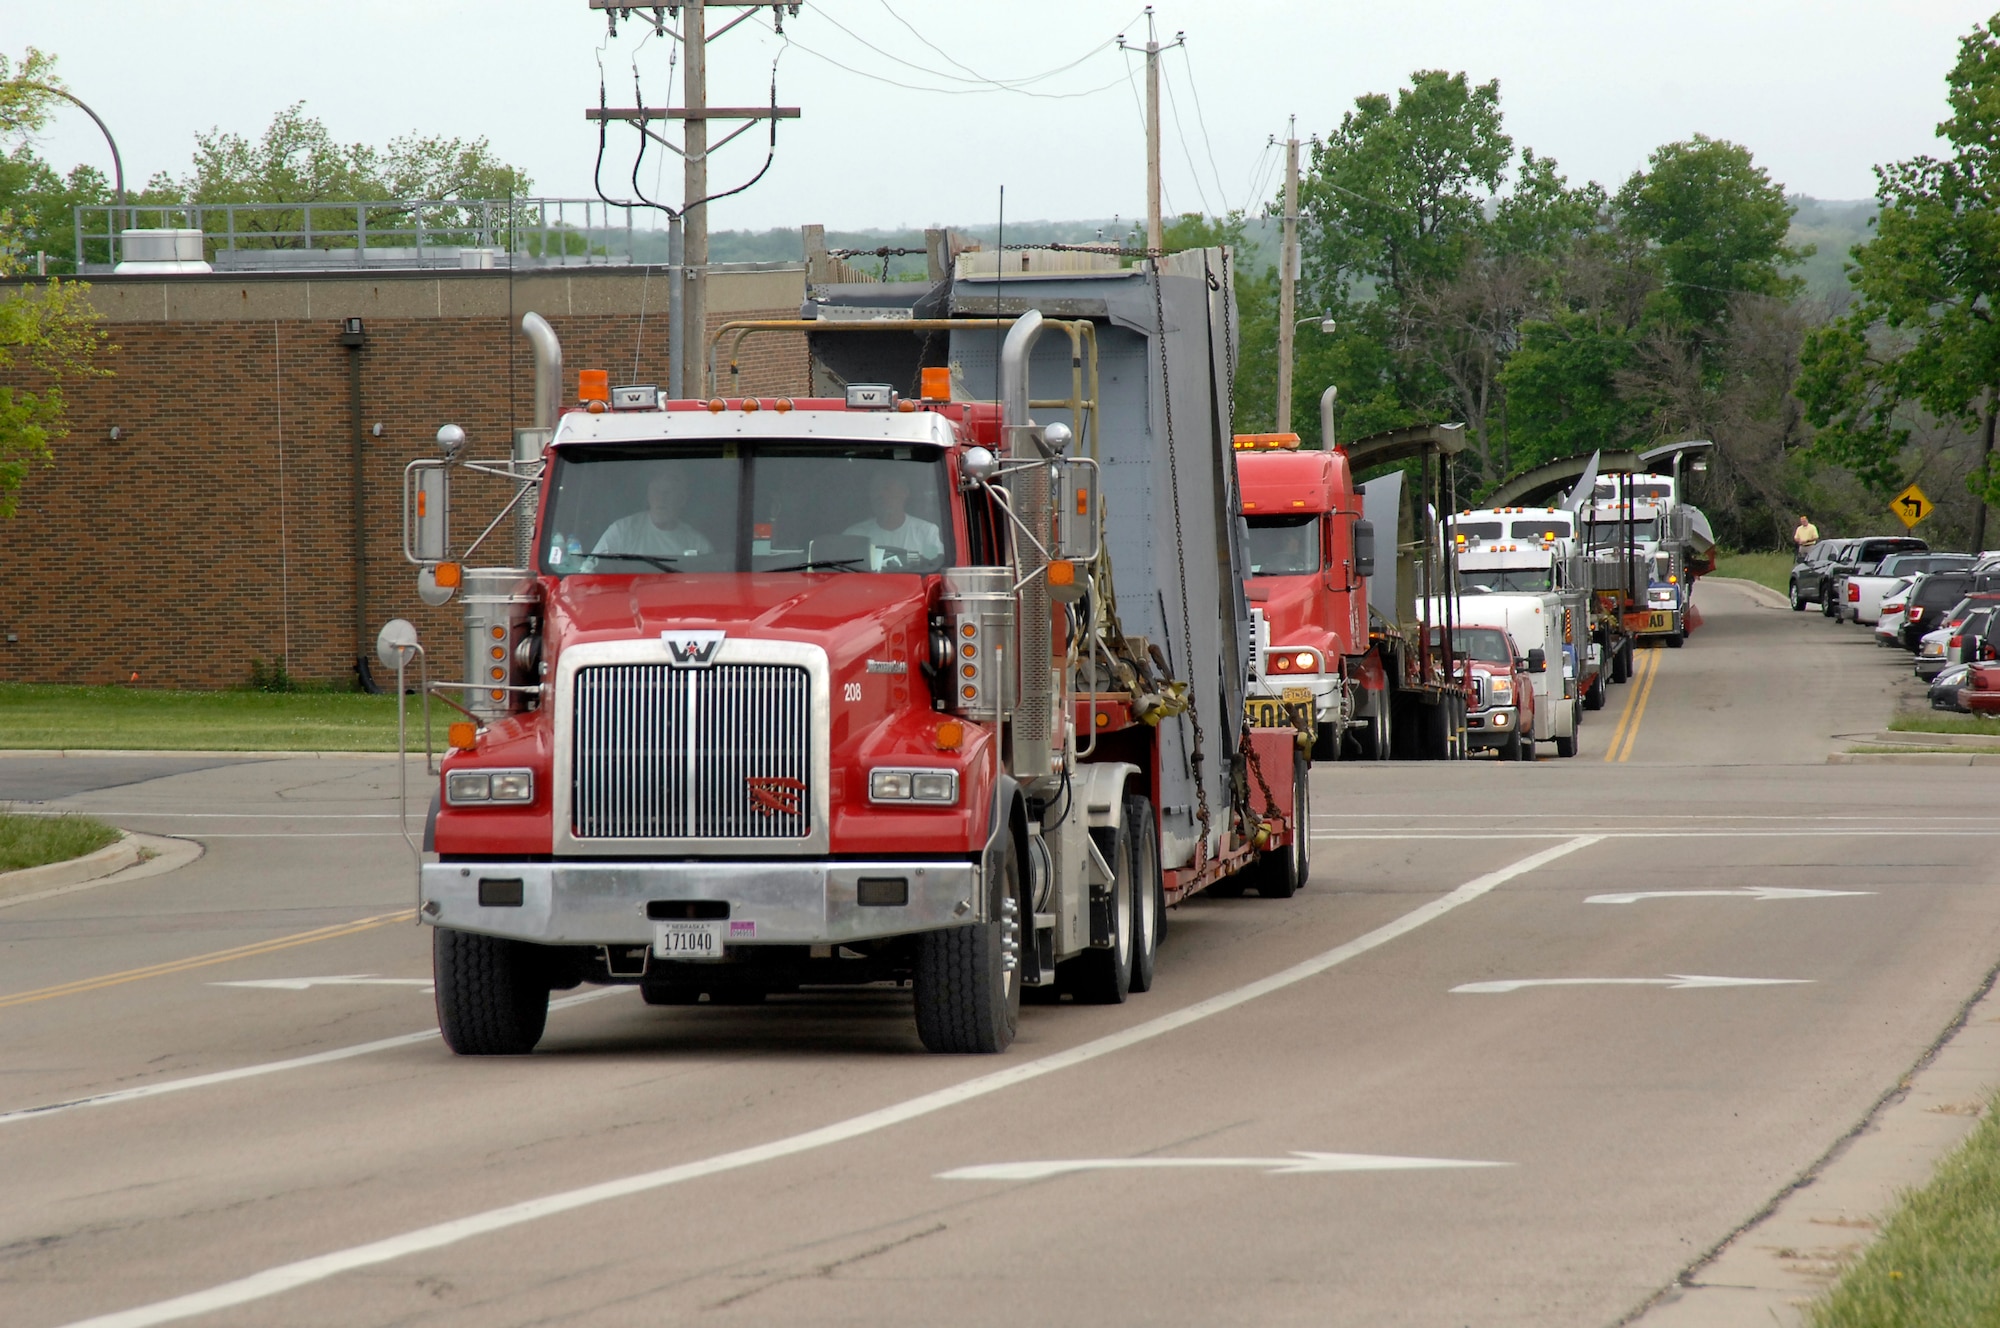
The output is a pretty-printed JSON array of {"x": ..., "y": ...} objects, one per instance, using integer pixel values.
[
  {"x": 1759, "y": 892},
  {"x": 288, "y": 1277},
  {"x": 1298, "y": 1164},
  {"x": 258, "y": 1071},
  {"x": 1482, "y": 836},
  {"x": 1673, "y": 981},
  {"x": 338, "y": 980}
]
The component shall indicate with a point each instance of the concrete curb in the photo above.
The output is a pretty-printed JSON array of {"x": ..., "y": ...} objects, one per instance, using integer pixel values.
[
  {"x": 1912, "y": 738},
  {"x": 72, "y": 752},
  {"x": 1757, "y": 590},
  {"x": 1913, "y": 758},
  {"x": 133, "y": 857},
  {"x": 1770, "y": 1271},
  {"x": 122, "y": 852}
]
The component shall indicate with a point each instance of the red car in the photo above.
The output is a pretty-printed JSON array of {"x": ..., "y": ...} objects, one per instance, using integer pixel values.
[{"x": 1981, "y": 692}]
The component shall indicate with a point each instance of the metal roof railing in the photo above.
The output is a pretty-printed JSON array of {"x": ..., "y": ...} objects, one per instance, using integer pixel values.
[{"x": 385, "y": 233}]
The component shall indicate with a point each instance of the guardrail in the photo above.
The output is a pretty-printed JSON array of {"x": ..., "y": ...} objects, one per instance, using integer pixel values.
[{"x": 385, "y": 233}]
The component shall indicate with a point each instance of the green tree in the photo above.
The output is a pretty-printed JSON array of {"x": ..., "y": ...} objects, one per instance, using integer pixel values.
[
  {"x": 47, "y": 336},
  {"x": 1719, "y": 224},
  {"x": 1922, "y": 338},
  {"x": 1564, "y": 392}
]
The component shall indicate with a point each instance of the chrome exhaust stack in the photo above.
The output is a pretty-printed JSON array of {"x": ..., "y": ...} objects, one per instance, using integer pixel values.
[{"x": 1033, "y": 730}]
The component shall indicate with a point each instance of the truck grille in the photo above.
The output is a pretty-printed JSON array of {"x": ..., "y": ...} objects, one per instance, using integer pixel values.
[
  {"x": 1478, "y": 691},
  {"x": 717, "y": 753}
]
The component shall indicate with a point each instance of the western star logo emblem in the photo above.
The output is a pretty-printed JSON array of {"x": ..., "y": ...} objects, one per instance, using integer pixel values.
[
  {"x": 691, "y": 650},
  {"x": 771, "y": 794}
]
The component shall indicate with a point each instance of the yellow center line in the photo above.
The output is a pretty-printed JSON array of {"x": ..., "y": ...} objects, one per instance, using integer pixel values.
[
  {"x": 1639, "y": 705},
  {"x": 1642, "y": 665},
  {"x": 250, "y": 951}
]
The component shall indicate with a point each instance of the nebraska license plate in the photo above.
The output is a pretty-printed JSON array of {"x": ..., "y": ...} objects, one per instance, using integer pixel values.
[{"x": 688, "y": 940}]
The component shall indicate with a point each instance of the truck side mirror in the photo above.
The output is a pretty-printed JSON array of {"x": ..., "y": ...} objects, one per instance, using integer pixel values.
[
  {"x": 427, "y": 511},
  {"x": 1538, "y": 660},
  {"x": 1364, "y": 548},
  {"x": 1076, "y": 507}
]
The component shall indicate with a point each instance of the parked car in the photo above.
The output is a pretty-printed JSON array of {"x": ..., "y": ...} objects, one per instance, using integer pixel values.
[
  {"x": 1945, "y": 688},
  {"x": 1972, "y": 643},
  {"x": 1931, "y": 596},
  {"x": 1934, "y": 651},
  {"x": 1808, "y": 579},
  {"x": 1980, "y": 692},
  {"x": 1860, "y": 596},
  {"x": 1889, "y": 622},
  {"x": 1856, "y": 555}
]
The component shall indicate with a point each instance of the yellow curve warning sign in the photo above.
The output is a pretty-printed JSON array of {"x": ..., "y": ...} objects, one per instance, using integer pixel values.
[{"x": 1911, "y": 506}]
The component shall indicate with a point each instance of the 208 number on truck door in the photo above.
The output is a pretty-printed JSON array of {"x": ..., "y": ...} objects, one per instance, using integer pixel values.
[{"x": 850, "y": 691}]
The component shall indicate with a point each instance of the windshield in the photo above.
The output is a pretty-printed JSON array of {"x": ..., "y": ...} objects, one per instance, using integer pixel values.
[
  {"x": 1505, "y": 580},
  {"x": 1476, "y": 529},
  {"x": 1615, "y": 534},
  {"x": 1284, "y": 545},
  {"x": 1547, "y": 527},
  {"x": 1482, "y": 643},
  {"x": 756, "y": 507}
]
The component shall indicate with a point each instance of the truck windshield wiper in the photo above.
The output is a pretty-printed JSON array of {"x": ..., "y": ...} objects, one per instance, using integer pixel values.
[
  {"x": 657, "y": 560},
  {"x": 830, "y": 565}
]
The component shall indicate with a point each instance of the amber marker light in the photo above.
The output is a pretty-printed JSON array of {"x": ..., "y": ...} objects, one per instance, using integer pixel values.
[
  {"x": 462, "y": 735},
  {"x": 449, "y": 575},
  {"x": 937, "y": 383},
  {"x": 950, "y": 735},
  {"x": 716, "y": 405},
  {"x": 593, "y": 385},
  {"x": 1062, "y": 572}
]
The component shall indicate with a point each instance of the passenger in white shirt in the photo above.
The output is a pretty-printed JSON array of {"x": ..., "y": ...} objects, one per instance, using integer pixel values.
[
  {"x": 657, "y": 532},
  {"x": 910, "y": 539}
]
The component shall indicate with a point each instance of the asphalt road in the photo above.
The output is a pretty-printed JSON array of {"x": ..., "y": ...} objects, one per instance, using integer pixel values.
[{"x": 785, "y": 1164}]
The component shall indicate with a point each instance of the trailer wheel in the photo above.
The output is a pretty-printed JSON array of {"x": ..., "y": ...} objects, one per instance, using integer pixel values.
[
  {"x": 1149, "y": 897},
  {"x": 1381, "y": 733},
  {"x": 1593, "y": 695},
  {"x": 1677, "y": 640},
  {"x": 1104, "y": 977},
  {"x": 1566, "y": 746},
  {"x": 492, "y": 993},
  {"x": 968, "y": 979},
  {"x": 1326, "y": 743},
  {"x": 1283, "y": 874}
]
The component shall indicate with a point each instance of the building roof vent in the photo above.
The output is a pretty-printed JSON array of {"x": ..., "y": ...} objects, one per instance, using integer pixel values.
[{"x": 161, "y": 252}]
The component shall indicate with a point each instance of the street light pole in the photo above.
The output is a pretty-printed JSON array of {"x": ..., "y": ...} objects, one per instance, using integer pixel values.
[{"x": 1288, "y": 264}]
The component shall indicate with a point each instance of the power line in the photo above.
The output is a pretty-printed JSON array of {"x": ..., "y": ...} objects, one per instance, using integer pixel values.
[
  {"x": 1180, "y": 132},
  {"x": 1202, "y": 120},
  {"x": 947, "y": 92},
  {"x": 1011, "y": 83},
  {"x": 983, "y": 83}
]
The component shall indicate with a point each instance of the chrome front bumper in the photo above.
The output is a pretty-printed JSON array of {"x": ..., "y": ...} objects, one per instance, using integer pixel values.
[
  {"x": 1325, "y": 689},
  {"x": 1481, "y": 730},
  {"x": 783, "y": 903}
]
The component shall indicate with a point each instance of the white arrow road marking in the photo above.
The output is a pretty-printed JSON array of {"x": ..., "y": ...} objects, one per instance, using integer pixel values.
[
  {"x": 278, "y": 1280},
  {"x": 337, "y": 980},
  {"x": 1297, "y": 1164},
  {"x": 1673, "y": 981},
  {"x": 1747, "y": 892}
]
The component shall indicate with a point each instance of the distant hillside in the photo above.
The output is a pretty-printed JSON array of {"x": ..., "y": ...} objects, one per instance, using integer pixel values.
[{"x": 1832, "y": 226}]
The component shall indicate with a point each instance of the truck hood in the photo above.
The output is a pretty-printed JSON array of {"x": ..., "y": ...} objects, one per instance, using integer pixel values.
[
  {"x": 1288, "y": 603},
  {"x": 844, "y": 612}
]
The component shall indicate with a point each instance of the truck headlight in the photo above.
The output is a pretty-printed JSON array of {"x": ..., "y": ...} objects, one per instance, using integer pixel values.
[
  {"x": 935, "y": 788},
  {"x": 1503, "y": 690},
  {"x": 471, "y": 787}
]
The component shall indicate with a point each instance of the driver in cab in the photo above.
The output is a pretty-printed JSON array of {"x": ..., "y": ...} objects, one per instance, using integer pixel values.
[
  {"x": 659, "y": 532},
  {"x": 891, "y": 530}
]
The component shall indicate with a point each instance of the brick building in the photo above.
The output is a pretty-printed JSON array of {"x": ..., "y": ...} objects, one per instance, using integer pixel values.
[{"x": 216, "y": 528}]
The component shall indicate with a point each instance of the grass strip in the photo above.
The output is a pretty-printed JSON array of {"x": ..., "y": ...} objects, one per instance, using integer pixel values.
[
  {"x": 1941, "y": 722},
  {"x": 34, "y": 715},
  {"x": 1937, "y": 1261},
  {"x": 36, "y": 841},
  {"x": 1766, "y": 569}
]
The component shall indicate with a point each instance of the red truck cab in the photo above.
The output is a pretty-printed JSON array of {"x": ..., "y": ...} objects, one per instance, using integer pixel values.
[{"x": 1308, "y": 594}]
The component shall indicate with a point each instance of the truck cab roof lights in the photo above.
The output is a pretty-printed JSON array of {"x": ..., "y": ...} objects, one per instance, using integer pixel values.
[
  {"x": 1266, "y": 442},
  {"x": 934, "y": 381},
  {"x": 593, "y": 385},
  {"x": 870, "y": 396}
]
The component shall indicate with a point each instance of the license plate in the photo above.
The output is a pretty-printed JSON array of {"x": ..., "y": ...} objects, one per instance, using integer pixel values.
[
  {"x": 1659, "y": 622},
  {"x": 688, "y": 940},
  {"x": 1297, "y": 695},
  {"x": 1266, "y": 713}
]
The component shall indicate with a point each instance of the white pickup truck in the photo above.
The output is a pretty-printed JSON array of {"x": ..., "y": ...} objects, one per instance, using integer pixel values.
[{"x": 1859, "y": 597}]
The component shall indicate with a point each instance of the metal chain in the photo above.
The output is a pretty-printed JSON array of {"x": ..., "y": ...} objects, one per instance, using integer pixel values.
[
  {"x": 1257, "y": 767},
  {"x": 1180, "y": 554}
]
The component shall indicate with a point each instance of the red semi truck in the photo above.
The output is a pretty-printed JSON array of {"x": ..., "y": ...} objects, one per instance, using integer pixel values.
[
  {"x": 1338, "y": 653},
  {"x": 789, "y": 693}
]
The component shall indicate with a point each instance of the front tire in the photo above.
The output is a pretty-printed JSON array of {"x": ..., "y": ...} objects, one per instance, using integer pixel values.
[
  {"x": 1593, "y": 696},
  {"x": 968, "y": 979},
  {"x": 492, "y": 993},
  {"x": 1798, "y": 600}
]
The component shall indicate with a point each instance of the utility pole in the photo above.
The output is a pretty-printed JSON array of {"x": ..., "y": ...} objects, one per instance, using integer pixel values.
[
  {"x": 1288, "y": 265},
  {"x": 1155, "y": 233},
  {"x": 687, "y": 242},
  {"x": 694, "y": 190}
]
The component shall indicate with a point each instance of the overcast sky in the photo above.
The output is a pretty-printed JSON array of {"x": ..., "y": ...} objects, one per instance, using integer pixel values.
[{"x": 1820, "y": 90}]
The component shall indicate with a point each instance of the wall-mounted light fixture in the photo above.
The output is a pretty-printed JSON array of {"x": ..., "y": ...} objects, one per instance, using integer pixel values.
[
  {"x": 116, "y": 433},
  {"x": 351, "y": 333},
  {"x": 377, "y": 429}
]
